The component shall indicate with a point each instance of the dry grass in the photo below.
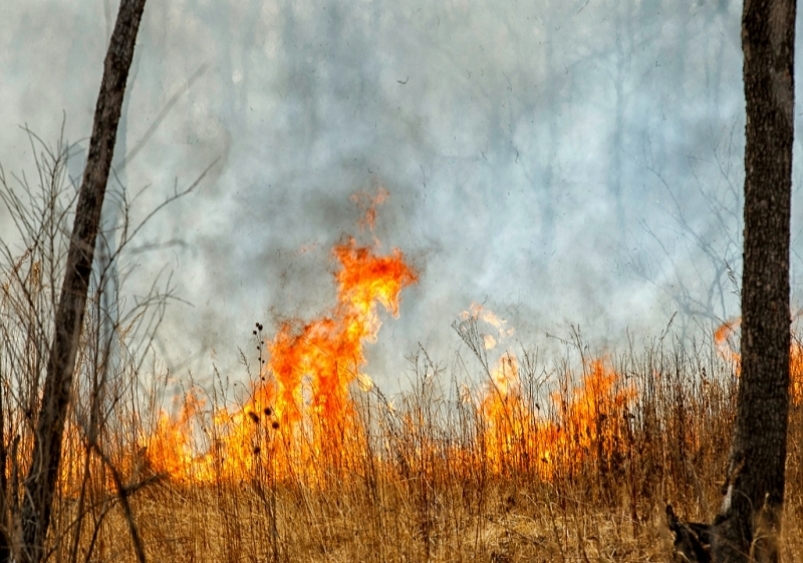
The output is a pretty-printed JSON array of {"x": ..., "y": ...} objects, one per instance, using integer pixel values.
[
  {"x": 419, "y": 500},
  {"x": 440, "y": 475}
]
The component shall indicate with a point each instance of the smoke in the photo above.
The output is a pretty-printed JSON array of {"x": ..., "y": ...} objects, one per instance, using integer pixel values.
[{"x": 566, "y": 163}]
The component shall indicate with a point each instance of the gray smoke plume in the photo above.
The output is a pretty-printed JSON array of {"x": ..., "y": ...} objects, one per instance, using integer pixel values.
[{"x": 573, "y": 162}]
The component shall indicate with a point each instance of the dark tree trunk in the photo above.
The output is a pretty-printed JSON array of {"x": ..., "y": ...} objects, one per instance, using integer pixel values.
[
  {"x": 749, "y": 521},
  {"x": 41, "y": 481},
  {"x": 748, "y": 525}
]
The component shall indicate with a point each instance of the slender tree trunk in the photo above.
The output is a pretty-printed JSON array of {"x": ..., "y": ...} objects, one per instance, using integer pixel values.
[
  {"x": 41, "y": 481},
  {"x": 749, "y": 521}
]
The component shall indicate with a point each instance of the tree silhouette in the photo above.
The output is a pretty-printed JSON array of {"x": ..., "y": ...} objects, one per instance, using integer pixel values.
[
  {"x": 40, "y": 483},
  {"x": 748, "y": 524}
]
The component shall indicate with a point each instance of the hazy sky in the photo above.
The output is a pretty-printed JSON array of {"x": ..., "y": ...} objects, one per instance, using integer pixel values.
[{"x": 563, "y": 162}]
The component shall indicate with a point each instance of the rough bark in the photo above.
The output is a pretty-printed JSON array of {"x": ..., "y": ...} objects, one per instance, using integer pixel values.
[
  {"x": 40, "y": 483},
  {"x": 749, "y": 521}
]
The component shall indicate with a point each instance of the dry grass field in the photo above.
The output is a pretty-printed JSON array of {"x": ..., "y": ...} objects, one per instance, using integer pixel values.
[
  {"x": 583, "y": 475},
  {"x": 536, "y": 460}
]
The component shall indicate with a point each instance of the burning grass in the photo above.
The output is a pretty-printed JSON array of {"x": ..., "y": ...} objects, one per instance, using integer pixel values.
[
  {"x": 533, "y": 463},
  {"x": 574, "y": 462},
  {"x": 432, "y": 478},
  {"x": 536, "y": 462}
]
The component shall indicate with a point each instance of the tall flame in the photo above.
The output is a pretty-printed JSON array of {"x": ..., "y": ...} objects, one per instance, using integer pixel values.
[
  {"x": 329, "y": 352},
  {"x": 300, "y": 415}
]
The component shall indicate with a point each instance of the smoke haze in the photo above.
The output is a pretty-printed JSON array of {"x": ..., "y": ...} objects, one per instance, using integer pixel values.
[{"x": 564, "y": 162}]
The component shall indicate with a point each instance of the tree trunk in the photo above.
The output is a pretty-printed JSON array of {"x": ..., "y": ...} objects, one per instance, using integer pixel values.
[
  {"x": 749, "y": 521},
  {"x": 41, "y": 481}
]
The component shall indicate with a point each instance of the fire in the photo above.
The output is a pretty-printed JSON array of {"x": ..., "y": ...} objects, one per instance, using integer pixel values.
[
  {"x": 300, "y": 417},
  {"x": 506, "y": 414},
  {"x": 796, "y": 372},
  {"x": 329, "y": 352},
  {"x": 726, "y": 349},
  {"x": 585, "y": 425},
  {"x": 300, "y": 422},
  {"x": 722, "y": 340},
  {"x": 591, "y": 419},
  {"x": 170, "y": 448},
  {"x": 367, "y": 202}
]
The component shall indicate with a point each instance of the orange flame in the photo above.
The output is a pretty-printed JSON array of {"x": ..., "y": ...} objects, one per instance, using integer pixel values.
[
  {"x": 585, "y": 426},
  {"x": 369, "y": 203},
  {"x": 727, "y": 351},
  {"x": 329, "y": 351},
  {"x": 505, "y": 414},
  {"x": 722, "y": 340},
  {"x": 301, "y": 415},
  {"x": 591, "y": 422},
  {"x": 300, "y": 421}
]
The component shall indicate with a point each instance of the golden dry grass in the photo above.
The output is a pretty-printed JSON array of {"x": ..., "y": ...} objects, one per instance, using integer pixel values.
[
  {"x": 436, "y": 478},
  {"x": 427, "y": 504}
]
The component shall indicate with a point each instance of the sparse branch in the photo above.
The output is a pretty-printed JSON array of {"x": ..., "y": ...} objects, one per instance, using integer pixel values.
[{"x": 43, "y": 473}]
